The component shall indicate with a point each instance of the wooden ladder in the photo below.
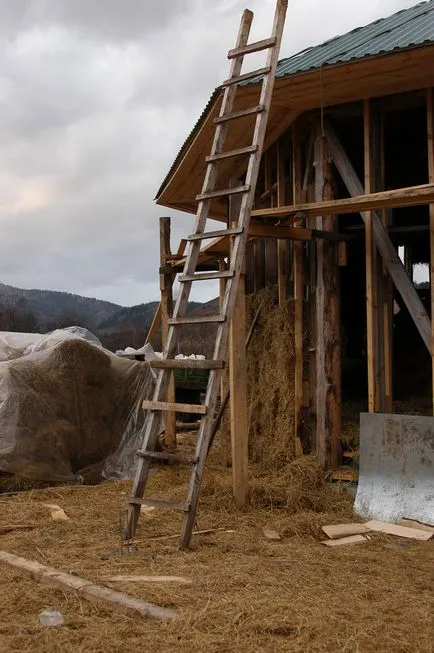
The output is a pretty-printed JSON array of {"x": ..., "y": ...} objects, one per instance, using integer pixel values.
[{"x": 238, "y": 233}]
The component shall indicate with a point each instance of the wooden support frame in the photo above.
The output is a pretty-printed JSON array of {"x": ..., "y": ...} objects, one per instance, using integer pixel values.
[
  {"x": 166, "y": 309},
  {"x": 383, "y": 243},
  {"x": 239, "y": 416},
  {"x": 297, "y": 261},
  {"x": 327, "y": 297},
  {"x": 410, "y": 196},
  {"x": 282, "y": 246},
  {"x": 430, "y": 143}
]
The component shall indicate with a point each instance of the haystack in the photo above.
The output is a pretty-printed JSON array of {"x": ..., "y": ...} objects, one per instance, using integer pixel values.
[{"x": 67, "y": 408}]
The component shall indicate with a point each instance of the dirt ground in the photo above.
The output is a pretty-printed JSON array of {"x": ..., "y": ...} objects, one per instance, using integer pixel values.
[{"x": 247, "y": 595}]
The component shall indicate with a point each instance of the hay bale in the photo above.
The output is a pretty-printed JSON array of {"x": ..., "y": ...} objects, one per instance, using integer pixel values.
[{"x": 66, "y": 408}]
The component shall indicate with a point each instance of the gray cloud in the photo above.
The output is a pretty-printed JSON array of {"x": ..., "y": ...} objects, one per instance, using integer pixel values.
[{"x": 96, "y": 98}]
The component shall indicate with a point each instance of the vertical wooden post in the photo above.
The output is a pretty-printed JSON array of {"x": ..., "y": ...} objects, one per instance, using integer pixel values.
[
  {"x": 430, "y": 134},
  {"x": 166, "y": 303},
  {"x": 298, "y": 289},
  {"x": 238, "y": 383},
  {"x": 328, "y": 353},
  {"x": 370, "y": 258},
  {"x": 282, "y": 245}
]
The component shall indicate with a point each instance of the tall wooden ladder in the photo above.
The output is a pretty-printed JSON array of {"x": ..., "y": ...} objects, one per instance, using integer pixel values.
[{"x": 238, "y": 233}]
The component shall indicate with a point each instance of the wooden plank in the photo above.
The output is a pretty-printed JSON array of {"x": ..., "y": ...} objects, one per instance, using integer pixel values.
[
  {"x": 410, "y": 196},
  {"x": 430, "y": 145},
  {"x": 336, "y": 531},
  {"x": 223, "y": 192},
  {"x": 411, "y": 523},
  {"x": 399, "y": 531},
  {"x": 239, "y": 151},
  {"x": 166, "y": 309},
  {"x": 186, "y": 363},
  {"x": 179, "y": 408},
  {"x": 351, "y": 539},
  {"x": 215, "y": 234},
  {"x": 384, "y": 245},
  {"x": 84, "y": 588},
  {"x": 233, "y": 115},
  {"x": 236, "y": 79},
  {"x": 257, "y": 46},
  {"x": 163, "y": 455},
  {"x": 370, "y": 267}
]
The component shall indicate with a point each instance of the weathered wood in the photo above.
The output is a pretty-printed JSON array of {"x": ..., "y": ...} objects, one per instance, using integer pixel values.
[
  {"x": 166, "y": 309},
  {"x": 155, "y": 325},
  {"x": 282, "y": 247},
  {"x": 430, "y": 144},
  {"x": 327, "y": 298},
  {"x": 125, "y": 578},
  {"x": 84, "y": 588},
  {"x": 257, "y": 46},
  {"x": 239, "y": 151},
  {"x": 411, "y": 196},
  {"x": 162, "y": 455},
  {"x": 370, "y": 261},
  {"x": 239, "y": 114},
  {"x": 215, "y": 234},
  {"x": 179, "y": 408},
  {"x": 297, "y": 261},
  {"x": 223, "y": 192},
  {"x": 351, "y": 539},
  {"x": 186, "y": 363},
  {"x": 336, "y": 531},
  {"x": 399, "y": 531},
  {"x": 238, "y": 384},
  {"x": 384, "y": 245},
  {"x": 236, "y": 79}
]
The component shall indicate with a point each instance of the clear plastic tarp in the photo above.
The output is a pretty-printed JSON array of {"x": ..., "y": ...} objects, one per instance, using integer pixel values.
[{"x": 67, "y": 405}]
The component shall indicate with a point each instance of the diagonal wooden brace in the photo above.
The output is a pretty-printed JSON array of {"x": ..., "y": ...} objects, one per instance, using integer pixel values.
[{"x": 382, "y": 240}]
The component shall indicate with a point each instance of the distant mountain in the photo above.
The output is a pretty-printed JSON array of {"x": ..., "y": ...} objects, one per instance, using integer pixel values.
[{"x": 50, "y": 306}]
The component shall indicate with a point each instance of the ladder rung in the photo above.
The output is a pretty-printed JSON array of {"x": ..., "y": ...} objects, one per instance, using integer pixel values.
[
  {"x": 177, "y": 408},
  {"x": 223, "y": 192},
  {"x": 187, "y": 363},
  {"x": 213, "y": 319},
  {"x": 239, "y": 114},
  {"x": 251, "y": 149},
  {"x": 203, "y": 276},
  {"x": 216, "y": 234},
  {"x": 158, "y": 503},
  {"x": 161, "y": 455},
  {"x": 252, "y": 47},
  {"x": 240, "y": 78}
]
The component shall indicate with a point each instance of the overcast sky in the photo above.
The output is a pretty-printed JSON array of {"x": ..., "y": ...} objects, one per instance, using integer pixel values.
[{"x": 96, "y": 98}]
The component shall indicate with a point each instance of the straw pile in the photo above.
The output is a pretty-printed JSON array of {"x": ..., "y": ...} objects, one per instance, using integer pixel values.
[
  {"x": 247, "y": 594},
  {"x": 64, "y": 409},
  {"x": 270, "y": 367}
]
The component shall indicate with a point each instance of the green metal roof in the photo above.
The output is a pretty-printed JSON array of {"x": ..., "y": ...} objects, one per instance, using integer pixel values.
[{"x": 408, "y": 28}]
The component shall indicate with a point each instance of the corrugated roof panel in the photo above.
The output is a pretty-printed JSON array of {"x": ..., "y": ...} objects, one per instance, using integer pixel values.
[{"x": 406, "y": 28}]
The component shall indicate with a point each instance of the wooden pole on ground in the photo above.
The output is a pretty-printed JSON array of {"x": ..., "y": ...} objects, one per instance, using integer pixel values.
[
  {"x": 328, "y": 353},
  {"x": 430, "y": 134},
  {"x": 238, "y": 382},
  {"x": 166, "y": 304}
]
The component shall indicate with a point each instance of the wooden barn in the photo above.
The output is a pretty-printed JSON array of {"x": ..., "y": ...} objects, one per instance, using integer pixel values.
[{"x": 343, "y": 221}]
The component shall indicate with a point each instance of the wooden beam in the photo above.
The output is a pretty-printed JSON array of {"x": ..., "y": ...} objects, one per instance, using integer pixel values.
[
  {"x": 155, "y": 326},
  {"x": 282, "y": 247},
  {"x": 166, "y": 310},
  {"x": 297, "y": 261},
  {"x": 430, "y": 139},
  {"x": 382, "y": 240},
  {"x": 84, "y": 588},
  {"x": 411, "y": 196},
  {"x": 370, "y": 260},
  {"x": 239, "y": 415},
  {"x": 328, "y": 355}
]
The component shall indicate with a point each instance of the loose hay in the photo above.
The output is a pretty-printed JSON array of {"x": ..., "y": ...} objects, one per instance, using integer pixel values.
[{"x": 247, "y": 594}]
